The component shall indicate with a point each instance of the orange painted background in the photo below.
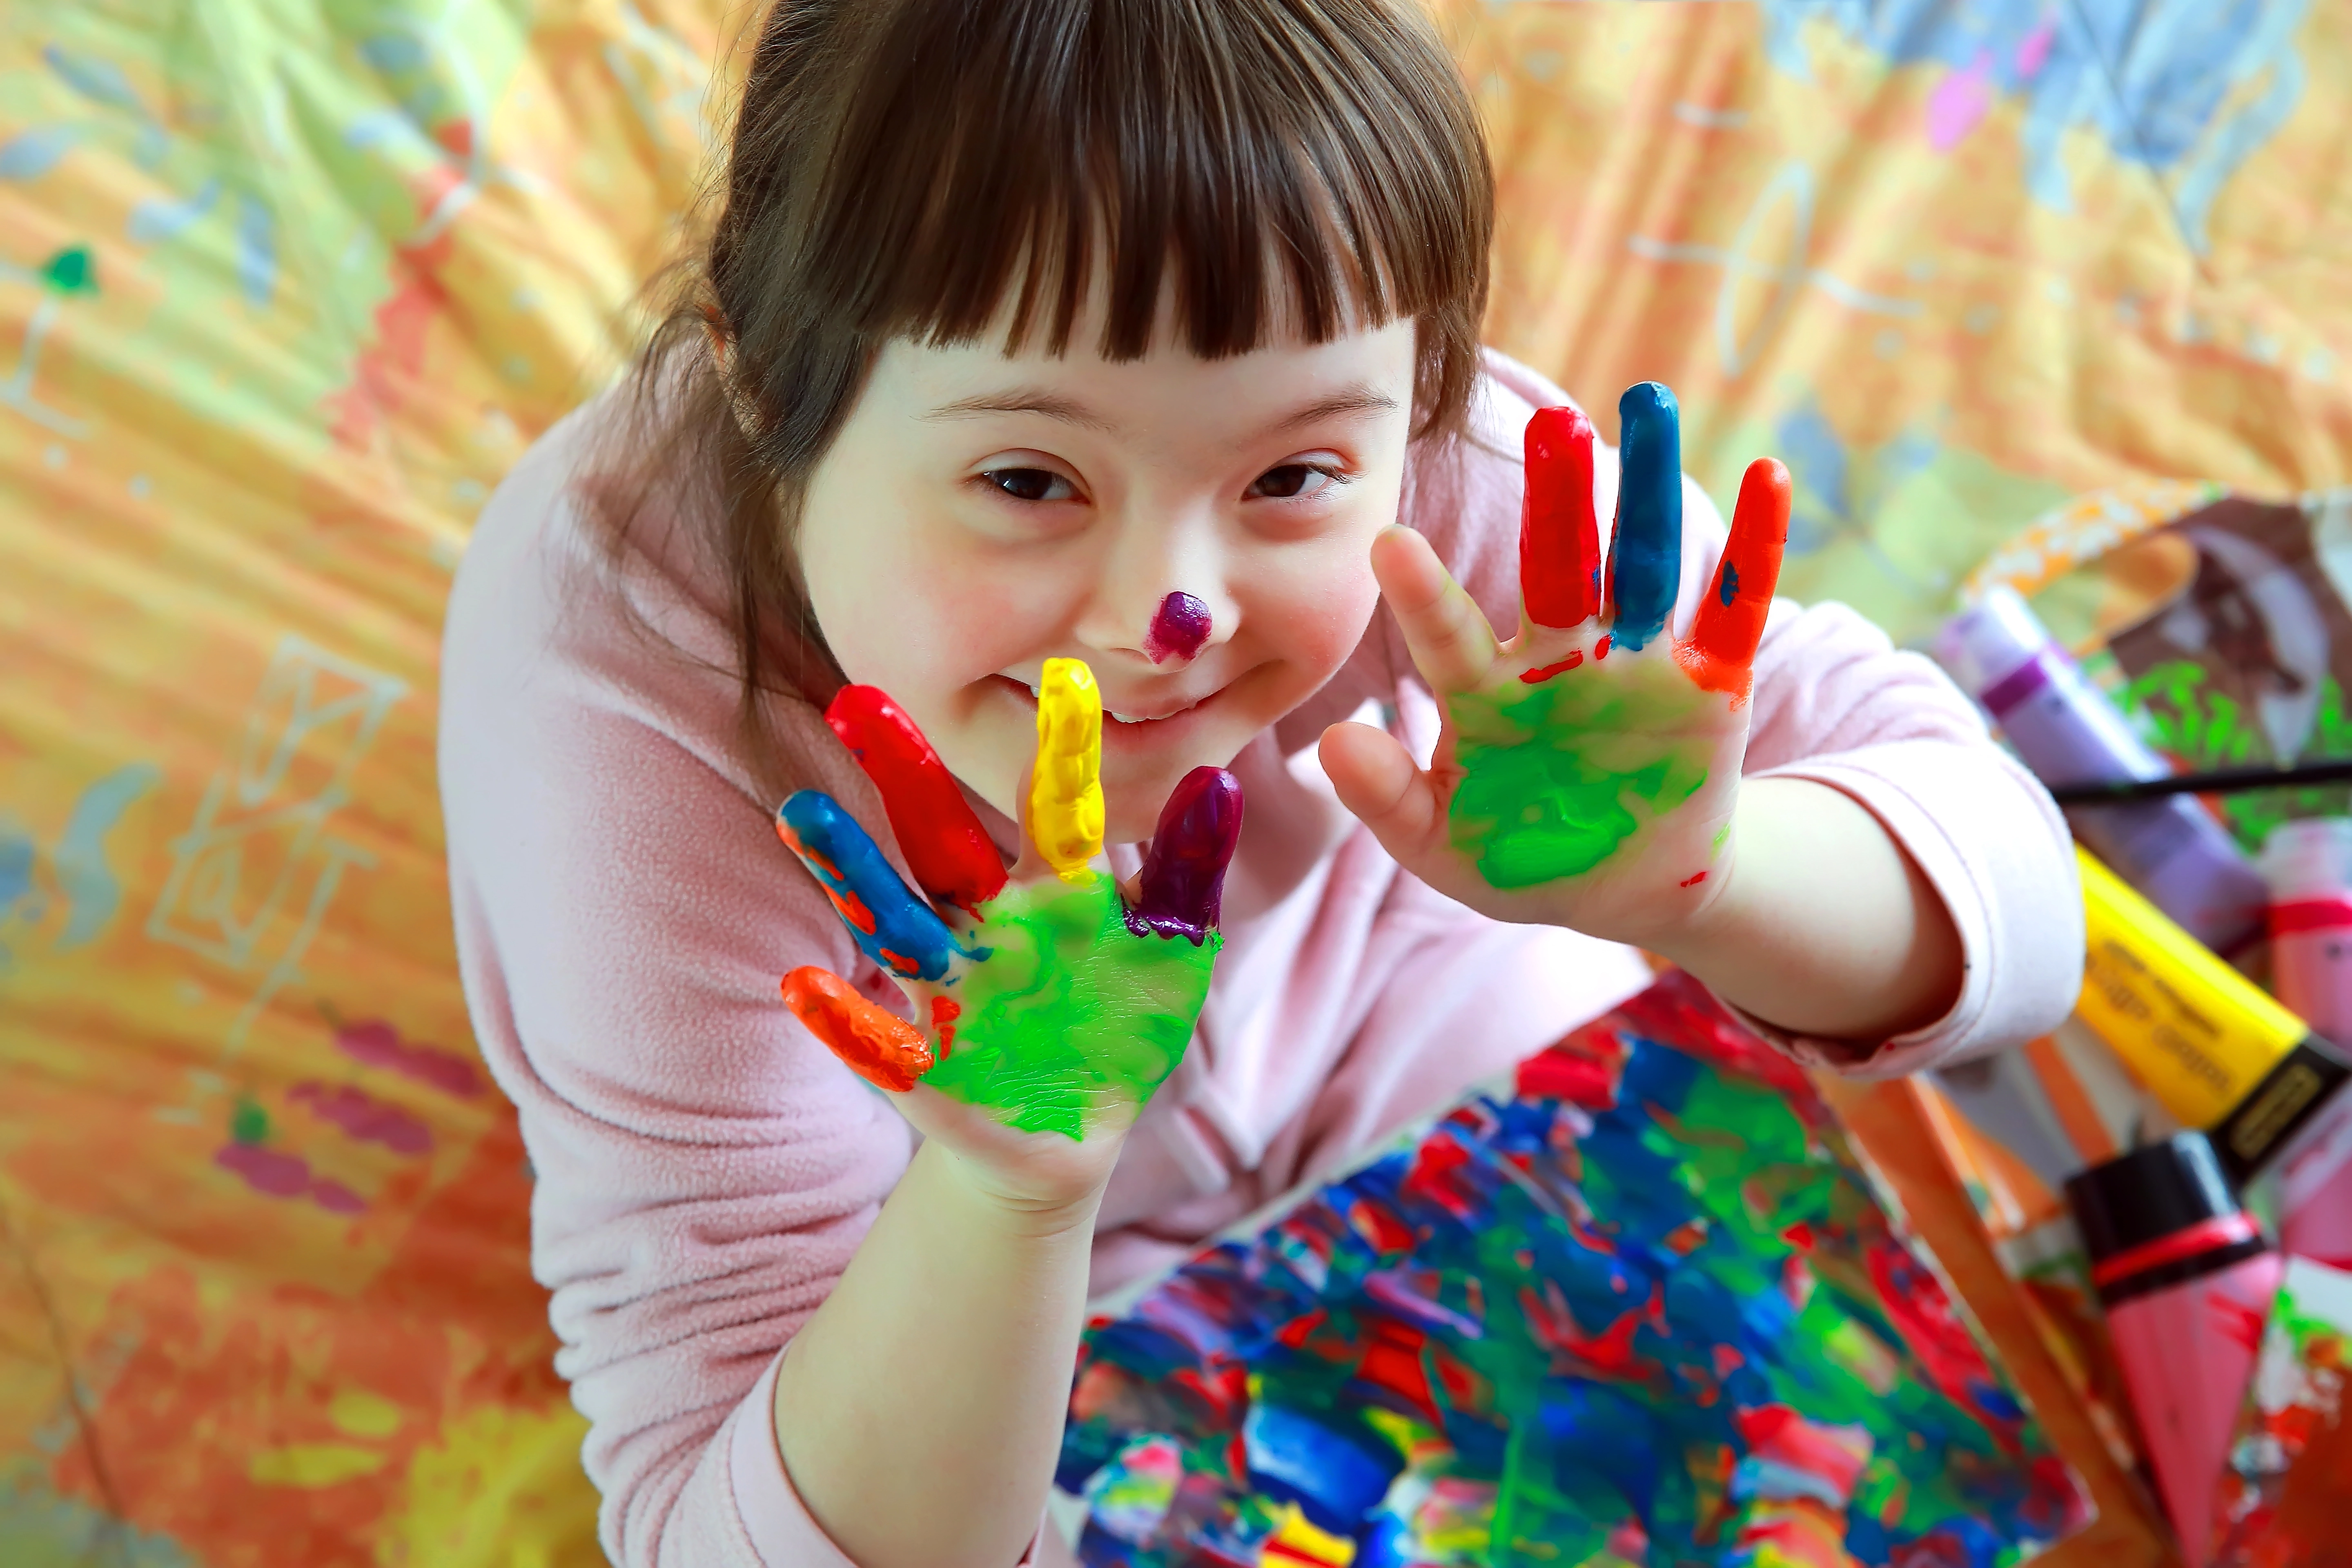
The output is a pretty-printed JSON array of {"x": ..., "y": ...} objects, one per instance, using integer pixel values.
[{"x": 284, "y": 289}]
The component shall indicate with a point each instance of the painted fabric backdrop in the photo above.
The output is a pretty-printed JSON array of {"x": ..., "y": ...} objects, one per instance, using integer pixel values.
[{"x": 286, "y": 286}]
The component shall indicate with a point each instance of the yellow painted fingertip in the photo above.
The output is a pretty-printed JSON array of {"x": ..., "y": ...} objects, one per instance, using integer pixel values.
[{"x": 1065, "y": 799}]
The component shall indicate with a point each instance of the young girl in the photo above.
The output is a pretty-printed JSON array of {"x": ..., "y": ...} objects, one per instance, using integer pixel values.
[{"x": 1138, "y": 334}]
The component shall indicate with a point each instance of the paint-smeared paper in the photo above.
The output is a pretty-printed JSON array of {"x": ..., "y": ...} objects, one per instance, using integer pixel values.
[
  {"x": 2286, "y": 1498},
  {"x": 1646, "y": 1309}
]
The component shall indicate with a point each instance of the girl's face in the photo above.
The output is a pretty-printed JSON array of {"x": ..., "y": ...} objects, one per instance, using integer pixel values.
[{"x": 981, "y": 513}]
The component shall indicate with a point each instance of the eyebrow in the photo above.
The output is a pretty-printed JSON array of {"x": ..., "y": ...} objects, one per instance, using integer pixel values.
[{"x": 1356, "y": 399}]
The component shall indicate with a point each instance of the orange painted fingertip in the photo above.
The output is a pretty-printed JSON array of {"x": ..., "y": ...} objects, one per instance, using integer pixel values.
[{"x": 874, "y": 1042}]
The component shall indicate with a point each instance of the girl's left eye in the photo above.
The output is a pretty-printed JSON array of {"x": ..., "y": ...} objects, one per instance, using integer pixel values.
[
  {"x": 1292, "y": 481},
  {"x": 1031, "y": 484}
]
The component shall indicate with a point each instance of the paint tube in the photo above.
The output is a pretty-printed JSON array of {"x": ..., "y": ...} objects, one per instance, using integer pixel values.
[
  {"x": 2216, "y": 1050},
  {"x": 2188, "y": 1279},
  {"x": 2308, "y": 865},
  {"x": 2066, "y": 729}
]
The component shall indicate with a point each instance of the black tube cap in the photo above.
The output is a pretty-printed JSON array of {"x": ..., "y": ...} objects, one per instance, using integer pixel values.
[{"x": 2149, "y": 1194}]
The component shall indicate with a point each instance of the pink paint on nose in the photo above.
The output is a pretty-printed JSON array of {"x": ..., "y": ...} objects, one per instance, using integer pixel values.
[{"x": 1179, "y": 628}]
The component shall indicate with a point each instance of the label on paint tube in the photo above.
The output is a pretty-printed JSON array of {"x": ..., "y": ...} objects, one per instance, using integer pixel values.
[{"x": 2219, "y": 1052}]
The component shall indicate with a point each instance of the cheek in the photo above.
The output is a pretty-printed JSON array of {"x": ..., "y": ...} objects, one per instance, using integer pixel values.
[{"x": 1312, "y": 610}]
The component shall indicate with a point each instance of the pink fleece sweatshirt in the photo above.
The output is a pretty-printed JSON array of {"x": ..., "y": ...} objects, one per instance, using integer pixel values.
[{"x": 706, "y": 1168}]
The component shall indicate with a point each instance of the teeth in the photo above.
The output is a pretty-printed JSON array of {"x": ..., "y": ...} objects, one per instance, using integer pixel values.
[
  {"x": 1036, "y": 690},
  {"x": 1123, "y": 718}
]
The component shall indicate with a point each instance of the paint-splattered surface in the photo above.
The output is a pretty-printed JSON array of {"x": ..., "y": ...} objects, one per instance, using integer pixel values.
[
  {"x": 2283, "y": 1501},
  {"x": 285, "y": 288},
  {"x": 1647, "y": 1310}
]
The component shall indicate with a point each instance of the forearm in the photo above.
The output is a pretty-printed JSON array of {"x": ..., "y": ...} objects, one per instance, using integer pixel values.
[
  {"x": 1825, "y": 926},
  {"x": 919, "y": 1412}
]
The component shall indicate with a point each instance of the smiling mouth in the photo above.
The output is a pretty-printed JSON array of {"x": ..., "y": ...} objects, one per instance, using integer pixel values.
[{"x": 1131, "y": 719}]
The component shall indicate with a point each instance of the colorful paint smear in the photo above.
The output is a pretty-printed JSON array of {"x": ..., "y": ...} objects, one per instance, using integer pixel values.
[
  {"x": 1644, "y": 1310},
  {"x": 2281, "y": 1503}
]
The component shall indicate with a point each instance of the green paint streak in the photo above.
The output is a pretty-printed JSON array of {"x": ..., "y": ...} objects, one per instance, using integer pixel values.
[
  {"x": 1542, "y": 798},
  {"x": 71, "y": 272},
  {"x": 248, "y": 1123},
  {"x": 1071, "y": 1014}
]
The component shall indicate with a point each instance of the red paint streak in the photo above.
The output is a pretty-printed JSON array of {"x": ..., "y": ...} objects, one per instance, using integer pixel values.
[
  {"x": 1686, "y": 1239},
  {"x": 1694, "y": 882},
  {"x": 874, "y": 1042},
  {"x": 1299, "y": 1331},
  {"x": 1571, "y": 1076},
  {"x": 1600, "y": 651},
  {"x": 1465, "y": 1388},
  {"x": 852, "y": 910},
  {"x": 1393, "y": 1362},
  {"x": 278, "y": 1174},
  {"x": 945, "y": 1011},
  {"x": 1536, "y": 676},
  {"x": 947, "y": 848},
  {"x": 457, "y": 137},
  {"x": 1432, "y": 1176},
  {"x": 2237, "y": 1322},
  {"x": 388, "y": 371},
  {"x": 1384, "y": 1230},
  {"x": 1559, "y": 536},
  {"x": 365, "y": 1117},
  {"x": 377, "y": 1044}
]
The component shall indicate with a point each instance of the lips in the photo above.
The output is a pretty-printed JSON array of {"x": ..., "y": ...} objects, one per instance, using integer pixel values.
[{"x": 1155, "y": 714}]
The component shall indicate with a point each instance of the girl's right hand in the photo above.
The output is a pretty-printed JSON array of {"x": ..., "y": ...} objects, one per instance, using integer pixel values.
[{"x": 1051, "y": 1008}]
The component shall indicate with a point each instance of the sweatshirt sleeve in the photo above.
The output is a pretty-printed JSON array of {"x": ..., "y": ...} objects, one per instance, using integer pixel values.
[
  {"x": 1837, "y": 703},
  {"x": 704, "y": 1169}
]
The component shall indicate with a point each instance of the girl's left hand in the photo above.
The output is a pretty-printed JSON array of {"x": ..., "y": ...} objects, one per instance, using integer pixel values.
[{"x": 1588, "y": 768}]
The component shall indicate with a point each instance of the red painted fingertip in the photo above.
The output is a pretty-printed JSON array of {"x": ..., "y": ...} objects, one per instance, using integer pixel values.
[
  {"x": 1559, "y": 534},
  {"x": 947, "y": 848},
  {"x": 1730, "y": 625},
  {"x": 876, "y": 1044}
]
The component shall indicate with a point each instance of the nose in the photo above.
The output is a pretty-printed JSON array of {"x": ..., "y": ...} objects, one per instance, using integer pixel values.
[
  {"x": 1163, "y": 597},
  {"x": 1179, "y": 628}
]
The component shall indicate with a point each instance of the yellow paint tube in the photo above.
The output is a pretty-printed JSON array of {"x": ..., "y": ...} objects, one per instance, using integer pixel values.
[{"x": 2208, "y": 1042}]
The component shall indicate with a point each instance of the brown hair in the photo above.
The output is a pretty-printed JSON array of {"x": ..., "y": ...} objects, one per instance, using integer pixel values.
[{"x": 907, "y": 168}]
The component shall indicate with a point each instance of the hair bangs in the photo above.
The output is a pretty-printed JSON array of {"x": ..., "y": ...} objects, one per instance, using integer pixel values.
[{"x": 1293, "y": 168}]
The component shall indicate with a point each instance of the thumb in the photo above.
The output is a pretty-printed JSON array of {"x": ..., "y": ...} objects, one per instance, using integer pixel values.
[{"x": 1377, "y": 779}]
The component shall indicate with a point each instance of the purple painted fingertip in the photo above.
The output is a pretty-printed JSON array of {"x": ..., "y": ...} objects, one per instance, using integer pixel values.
[{"x": 1183, "y": 877}]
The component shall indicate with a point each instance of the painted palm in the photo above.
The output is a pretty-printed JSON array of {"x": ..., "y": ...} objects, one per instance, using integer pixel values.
[
  {"x": 1592, "y": 762},
  {"x": 1047, "y": 1001}
]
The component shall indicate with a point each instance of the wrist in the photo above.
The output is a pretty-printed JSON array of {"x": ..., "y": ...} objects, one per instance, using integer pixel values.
[{"x": 1028, "y": 1209}]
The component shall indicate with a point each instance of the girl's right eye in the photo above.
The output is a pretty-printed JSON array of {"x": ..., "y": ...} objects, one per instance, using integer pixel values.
[{"x": 1032, "y": 484}]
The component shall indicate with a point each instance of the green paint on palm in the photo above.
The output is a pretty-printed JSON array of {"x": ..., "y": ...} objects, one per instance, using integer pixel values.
[
  {"x": 1073, "y": 1013},
  {"x": 1556, "y": 777}
]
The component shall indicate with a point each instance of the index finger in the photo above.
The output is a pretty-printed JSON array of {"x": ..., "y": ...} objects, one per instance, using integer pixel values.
[
  {"x": 950, "y": 852},
  {"x": 1645, "y": 548}
]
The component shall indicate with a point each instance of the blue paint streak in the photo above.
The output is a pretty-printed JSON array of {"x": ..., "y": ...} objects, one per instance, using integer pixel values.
[
  {"x": 16, "y": 856},
  {"x": 1334, "y": 1481},
  {"x": 1728, "y": 589},
  {"x": 256, "y": 250},
  {"x": 903, "y": 923},
  {"x": 31, "y": 154},
  {"x": 1645, "y": 546},
  {"x": 93, "y": 893},
  {"x": 158, "y": 219}
]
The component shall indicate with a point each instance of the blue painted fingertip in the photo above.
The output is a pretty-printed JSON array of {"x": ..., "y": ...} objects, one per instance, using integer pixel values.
[
  {"x": 896, "y": 929},
  {"x": 1645, "y": 546}
]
